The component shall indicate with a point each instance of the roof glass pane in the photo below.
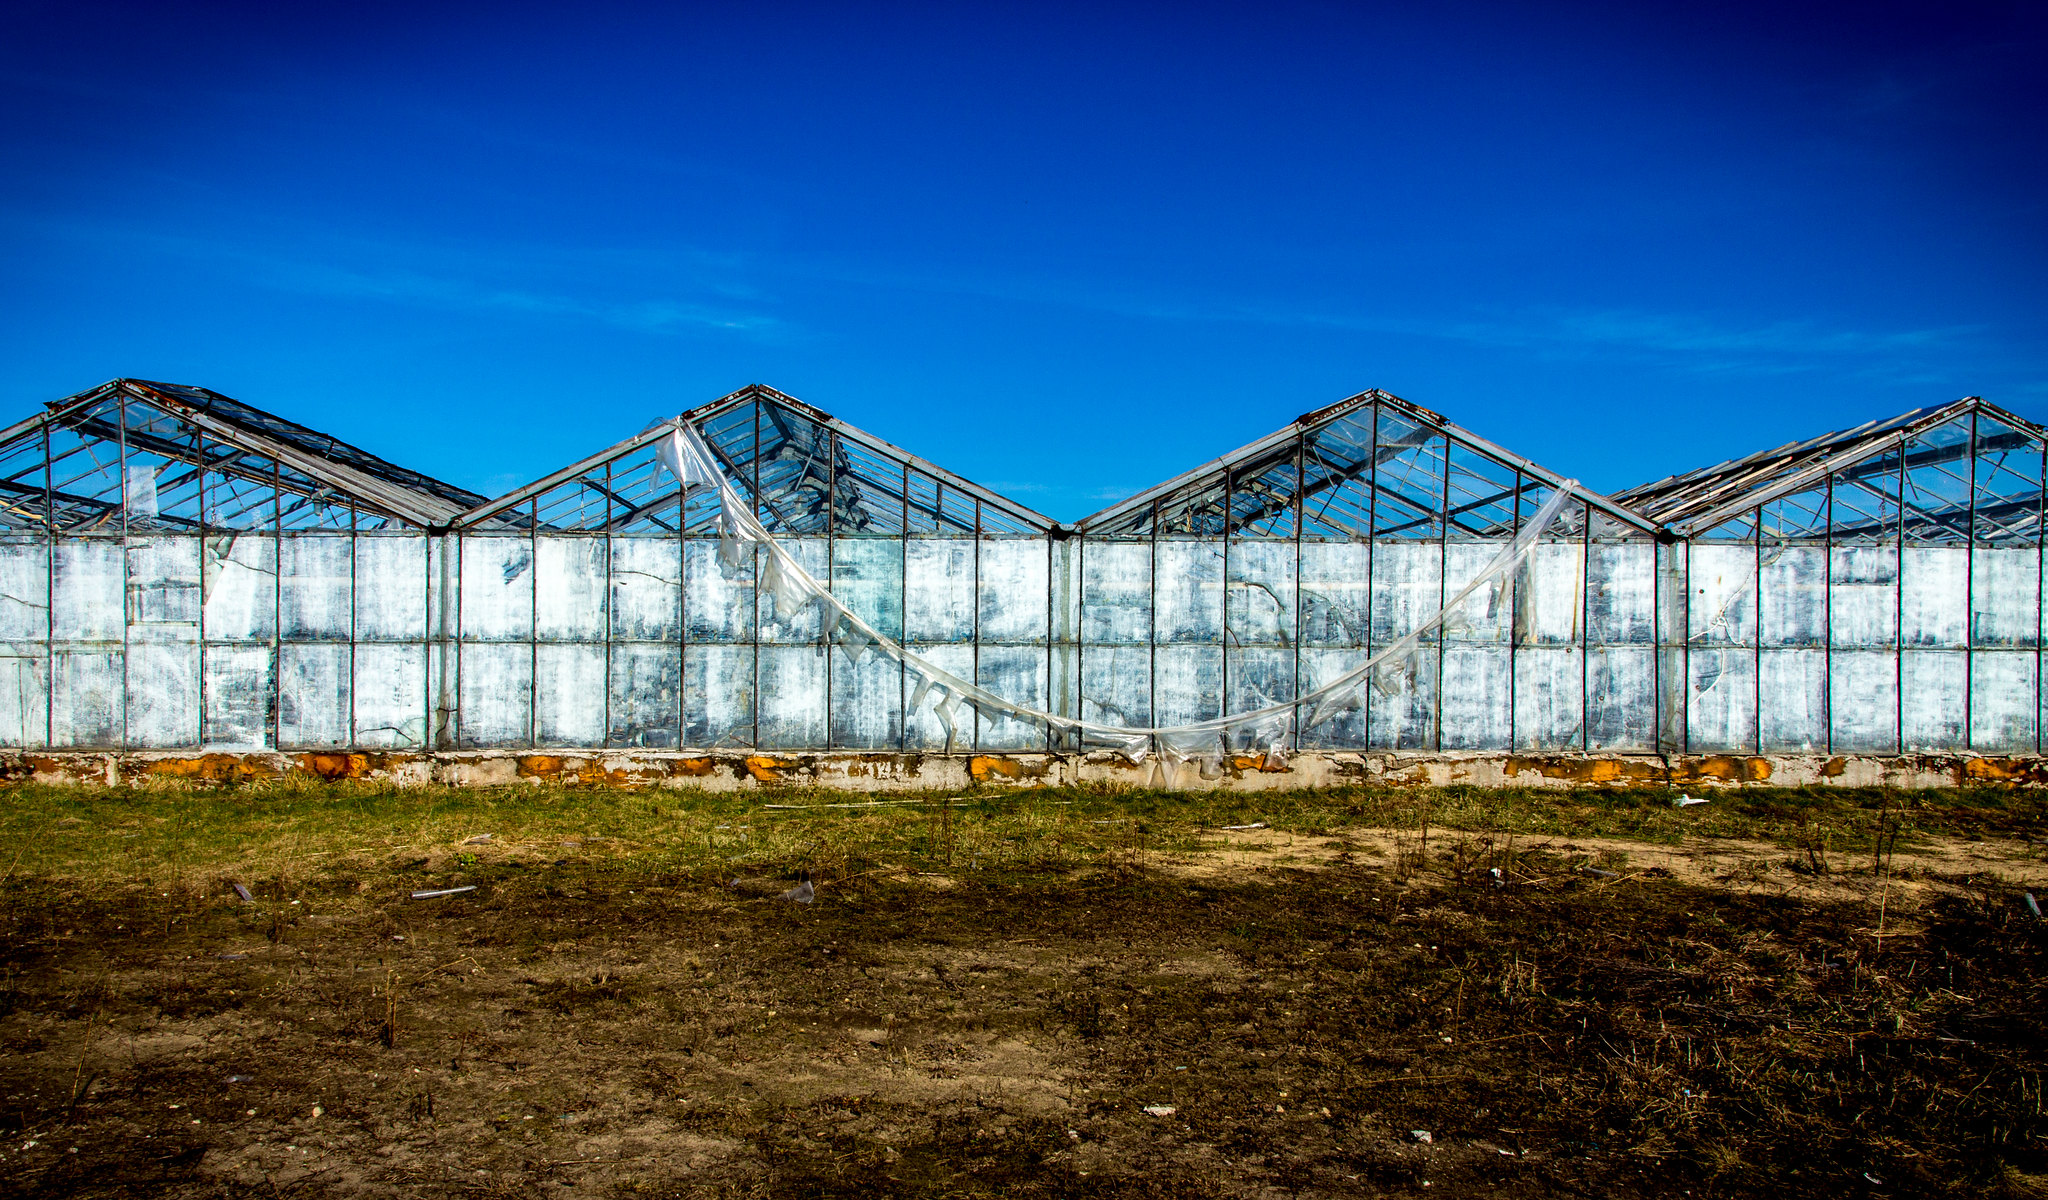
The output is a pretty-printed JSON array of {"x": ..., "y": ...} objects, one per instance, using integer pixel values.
[
  {"x": 1481, "y": 493},
  {"x": 1408, "y": 480},
  {"x": 1936, "y": 492},
  {"x": 2008, "y": 504}
]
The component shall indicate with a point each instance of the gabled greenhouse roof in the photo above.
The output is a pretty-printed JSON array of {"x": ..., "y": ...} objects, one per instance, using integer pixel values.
[
  {"x": 1371, "y": 464},
  {"x": 210, "y": 460},
  {"x": 806, "y": 471},
  {"x": 1932, "y": 471}
]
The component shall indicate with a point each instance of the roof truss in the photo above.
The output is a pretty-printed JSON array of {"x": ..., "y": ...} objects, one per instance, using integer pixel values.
[
  {"x": 806, "y": 472},
  {"x": 134, "y": 454},
  {"x": 1963, "y": 471},
  {"x": 1371, "y": 465}
]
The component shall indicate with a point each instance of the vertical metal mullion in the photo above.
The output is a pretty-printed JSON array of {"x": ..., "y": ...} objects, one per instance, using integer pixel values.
[
  {"x": 1756, "y": 671},
  {"x": 1300, "y": 503},
  {"x": 1585, "y": 621},
  {"x": 1827, "y": 616},
  {"x": 1443, "y": 571},
  {"x": 1372, "y": 554},
  {"x": 50, "y": 596},
  {"x": 904, "y": 621},
  {"x": 127, "y": 601},
  {"x": 682, "y": 617},
  {"x": 604, "y": 737},
  {"x": 1970, "y": 602},
  {"x": 1515, "y": 621},
  {"x": 1899, "y": 613},
  {"x": 277, "y": 602},
  {"x": 1656, "y": 646},
  {"x": 454, "y": 643},
  {"x": 754, "y": 692},
  {"x": 533, "y": 624},
  {"x": 1684, "y": 680},
  {"x": 826, "y": 625},
  {"x": 974, "y": 742},
  {"x": 1056, "y": 707},
  {"x": 2040, "y": 572},
  {"x": 1229, "y": 524},
  {"x": 1079, "y": 561},
  {"x": 429, "y": 736},
  {"x": 199, "y": 717},
  {"x": 1152, "y": 623},
  {"x": 355, "y": 544}
]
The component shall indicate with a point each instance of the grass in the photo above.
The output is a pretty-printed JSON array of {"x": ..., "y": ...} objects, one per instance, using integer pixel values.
[{"x": 185, "y": 834}]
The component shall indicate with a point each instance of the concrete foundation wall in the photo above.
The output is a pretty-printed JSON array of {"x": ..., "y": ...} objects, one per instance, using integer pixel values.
[{"x": 894, "y": 772}]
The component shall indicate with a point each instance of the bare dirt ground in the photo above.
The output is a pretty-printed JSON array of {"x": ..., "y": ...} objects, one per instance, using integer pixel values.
[{"x": 1273, "y": 1014}]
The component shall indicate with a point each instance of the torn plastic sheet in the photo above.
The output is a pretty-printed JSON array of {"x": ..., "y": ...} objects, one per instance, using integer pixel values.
[
  {"x": 690, "y": 463},
  {"x": 1201, "y": 739},
  {"x": 851, "y": 639},
  {"x": 1268, "y": 737},
  {"x": 947, "y": 712},
  {"x": 1395, "y": 676},
  {"x": 790, "y": 596},
  {"x": 1340, "y": 699},
  {"x": 139, "y": 492},
  {"x": 1177, "y": 746}
]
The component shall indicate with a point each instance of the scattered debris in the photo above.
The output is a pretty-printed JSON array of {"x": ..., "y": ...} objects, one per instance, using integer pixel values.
[
  {"x": 478, "y": 840},
  {"x": 443, "y": 892},
  {"x": 242, "y": 892},
  {"x": 231, "y": 956},
  {"x": 1253, "y": 825},
  {"x": 1420, "y": 1137},
  {"x": 802, "y": 893},
  {"x": 1499, "y": 880},
  {"x": 1160, "y": 1110},
  {"x": 1592, "y": 870},
  {"x": 2034, "y": 906},
  {"x": 240, "y": 1078},
  {"x": 1685, "y": 801}
]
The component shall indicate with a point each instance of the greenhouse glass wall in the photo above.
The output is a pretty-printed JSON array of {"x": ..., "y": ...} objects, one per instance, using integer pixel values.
[{"x": 181, "y": 571}]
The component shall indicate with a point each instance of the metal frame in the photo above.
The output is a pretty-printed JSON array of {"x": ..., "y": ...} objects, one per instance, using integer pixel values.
[{"x": 809, "y": 474}]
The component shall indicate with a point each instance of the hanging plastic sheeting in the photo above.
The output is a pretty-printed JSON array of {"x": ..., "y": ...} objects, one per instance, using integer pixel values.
[
  {"x": 1265, "y": 729},
  {"x": 139, "y": 493},
  {"x": 686, "y": 455}
]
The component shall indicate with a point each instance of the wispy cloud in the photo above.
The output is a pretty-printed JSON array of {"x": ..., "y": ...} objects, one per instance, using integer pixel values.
[
  {"x": 639, "y": 289},
  {"x": 1676, "y": 341},
  {"x": 447, "y": 285}
]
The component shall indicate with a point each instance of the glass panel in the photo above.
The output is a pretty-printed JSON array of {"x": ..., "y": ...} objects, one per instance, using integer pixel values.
[
  {"x": 1937, "y": 485},
  {"x": 2008, "y": 485},
  {"x": 1482, "y": 496},
  {"x": 1409, "y": 482},
  {"x": 646, "y": 703}
]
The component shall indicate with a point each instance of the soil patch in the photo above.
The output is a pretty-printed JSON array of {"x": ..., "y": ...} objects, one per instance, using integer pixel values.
[{"x": 1267, "y": 1014}]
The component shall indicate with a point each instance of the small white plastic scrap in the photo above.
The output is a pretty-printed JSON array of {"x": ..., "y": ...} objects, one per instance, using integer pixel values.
[
  {"x": 1420, "y": 1137},
  {"x": 2034, "y": 906},
  {"x": 1253, "y": 825},
  {"x": 1160, "y": 1110},
  {"x": 442, "y": 892},
  {"x": 1685, "y": 801},
  {"x": 802, "y": 893}
]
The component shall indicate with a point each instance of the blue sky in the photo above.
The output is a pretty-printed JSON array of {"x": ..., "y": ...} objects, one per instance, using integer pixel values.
[{"x": 1065, "y": 252}]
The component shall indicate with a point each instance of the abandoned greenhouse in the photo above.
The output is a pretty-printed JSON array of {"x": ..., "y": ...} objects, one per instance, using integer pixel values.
[{"x": 181, "y": 572}]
